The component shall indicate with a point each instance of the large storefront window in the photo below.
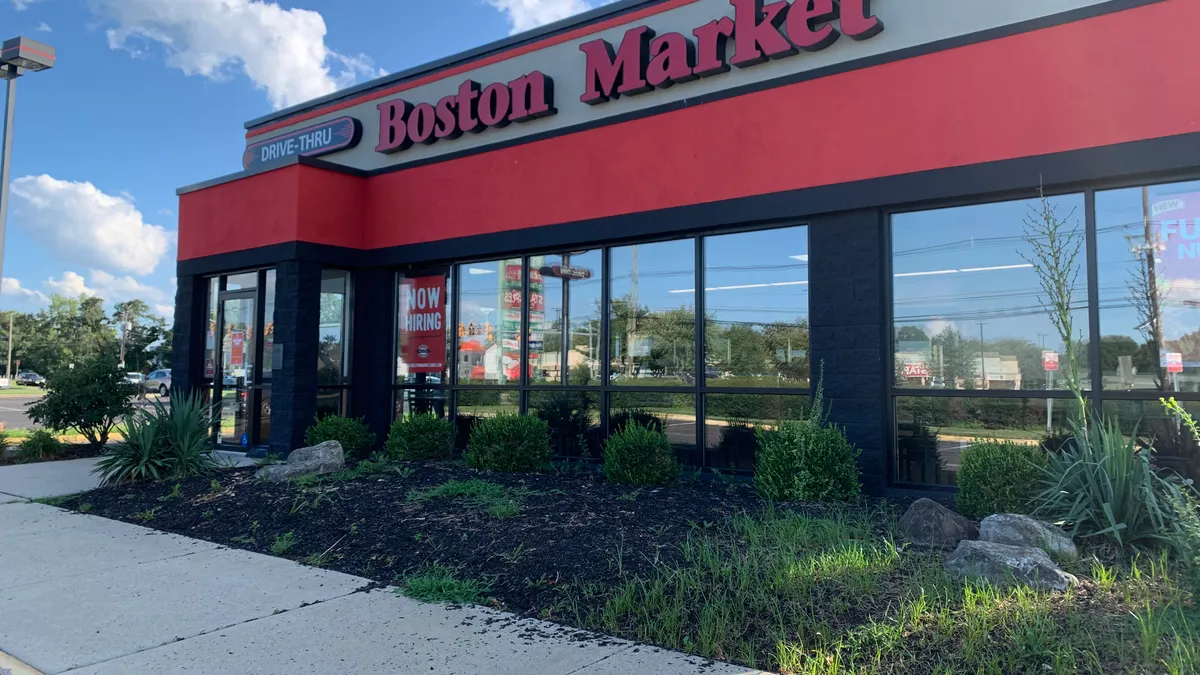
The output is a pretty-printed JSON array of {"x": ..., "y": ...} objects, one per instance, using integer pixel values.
[
  {"x": 652, "y": 314},
  {"x": 564, "y": 318},
  {"x": 489, "y": 322}
]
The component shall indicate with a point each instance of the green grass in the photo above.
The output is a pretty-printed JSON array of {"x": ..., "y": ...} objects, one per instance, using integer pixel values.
[
  {"x": 838, "y": 594},
  {"x": 475, "y": 494},
  {"x": 53, "y": 501},
  {"x": 283, "y": 543},
  {"x": 441, "y": 583}
]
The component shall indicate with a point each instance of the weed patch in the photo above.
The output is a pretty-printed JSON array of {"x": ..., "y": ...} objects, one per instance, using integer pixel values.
[
  {"x": 476, "y": 494},
  {"x": 442, "y": 583}
]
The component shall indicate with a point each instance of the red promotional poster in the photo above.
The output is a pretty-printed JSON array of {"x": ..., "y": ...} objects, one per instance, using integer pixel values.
[
  {"x": 237, "y": 340},
  {"x": 423, "y": 324}
]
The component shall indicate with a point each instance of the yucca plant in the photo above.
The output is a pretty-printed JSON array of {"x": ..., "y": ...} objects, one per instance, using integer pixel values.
[
  {"x": 1104, "y": 485},
  {"x": 166, "y": 441},
  {"x": 141, "y": 456}
]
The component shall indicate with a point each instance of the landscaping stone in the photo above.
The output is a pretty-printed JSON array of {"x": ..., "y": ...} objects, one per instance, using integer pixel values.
[
  {"x": 318, "y": 459},
  {"x": 928, "y": 523},
  {"x": 1018, "y": 530},
  {"x": 8, "y": 452},
  {"x": 1004, "y": 565}
]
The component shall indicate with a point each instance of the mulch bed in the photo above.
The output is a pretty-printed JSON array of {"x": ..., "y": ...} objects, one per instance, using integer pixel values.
[
  {"x": 571, "y": 528},
  {"x": 74, "y": 451}
]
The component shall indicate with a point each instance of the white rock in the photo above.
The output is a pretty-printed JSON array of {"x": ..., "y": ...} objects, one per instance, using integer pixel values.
[
  {"x": 1018, "y": 530},
  {"x": 1005, "y": 565}
]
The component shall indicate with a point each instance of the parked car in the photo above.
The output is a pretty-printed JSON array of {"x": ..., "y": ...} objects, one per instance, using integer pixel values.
[
  {"x": 158, "y": 382},
  {"x": 31, "y": 379},
  {"x": 136, "y": 379}
]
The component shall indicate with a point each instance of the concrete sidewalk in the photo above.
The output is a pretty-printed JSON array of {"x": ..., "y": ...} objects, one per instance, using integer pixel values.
[
  {"x": 56, "y": 479},
  {"x": 85, "y": 595}
]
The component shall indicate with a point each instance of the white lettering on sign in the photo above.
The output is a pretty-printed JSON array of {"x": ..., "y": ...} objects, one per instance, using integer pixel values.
[
  {"x": 1167, "y": 205},
  {"x": 1186, "y": 230},
  {"x": 424, "y": 310}
]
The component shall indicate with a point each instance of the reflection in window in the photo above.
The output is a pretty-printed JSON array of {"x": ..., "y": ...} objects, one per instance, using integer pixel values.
[
  {"x": 673, "y": 413},
  {"x": 239, "y": 282},
  {"x": 574, "y": 421},
  {"x": 474, "y": 405},
  {"x": 932, "y": 432},
  {"x": 564, "y": 318},
  {"x": 1174, "y": 445},
  {"x": 331, "y": 402},
  {"x": 422, "y": 402},
  {"x": 210, "y": 338},
  {"x": 729, "y": 432},
  {"x": 1148, "y": 254},
  {"x": 756, "y": 301},
  {"x": 968, "y": 305},
  {"x": 268, "y": 357},
  {"x": 332, "y": 364},
  {"x": 423, "y": 305},
  {"x": 489, "y": 322},
  {"x": 652, "y": 314}
]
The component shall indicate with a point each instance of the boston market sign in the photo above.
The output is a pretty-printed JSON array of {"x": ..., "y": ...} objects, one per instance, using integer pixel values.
[{"x": 642, "y": 62}]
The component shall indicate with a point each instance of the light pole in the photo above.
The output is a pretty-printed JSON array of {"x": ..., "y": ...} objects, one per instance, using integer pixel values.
[{"x": 16, "y": 56}]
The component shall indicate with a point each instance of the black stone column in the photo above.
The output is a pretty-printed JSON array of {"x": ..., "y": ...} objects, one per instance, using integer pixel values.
[
  {"x": 373, "y": 337},
  {"x": 294, "y": 377},
  {"x": 847, "y": 314},
  {"x": 191, "y": 324}
]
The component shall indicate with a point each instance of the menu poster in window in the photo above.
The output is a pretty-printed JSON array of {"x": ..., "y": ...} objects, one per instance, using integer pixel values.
[
  {"x": 1176, "y": 227},
  {"x": 423, "y": 323}
]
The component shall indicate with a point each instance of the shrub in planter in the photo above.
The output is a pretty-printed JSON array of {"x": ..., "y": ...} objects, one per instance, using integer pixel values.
[
  {"x": 356, "y": 439},
  {"x": 802, "y": 461},
  {"x": 637, "y": 455},
  {"x": 421, "y": 436},
  {"x": 41, "y": 445},
  {"x": 90, "y": 397},
  {"x": 509, "y": 442},
  {"x": 621, "y": 419},
  {"x": 998, "y": 477}
]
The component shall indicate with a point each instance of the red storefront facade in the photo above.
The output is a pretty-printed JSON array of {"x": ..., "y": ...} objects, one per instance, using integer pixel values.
[{"x": 804, "y": 185}]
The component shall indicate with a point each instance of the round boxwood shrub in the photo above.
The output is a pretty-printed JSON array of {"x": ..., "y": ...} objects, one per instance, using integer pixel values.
[
  {"x": 356, "y": 439},
  {"x": 804, "y": 461},
  {"x": 509, "y": 442},
  {"x": 421, "y": 437},
  {"x": 639, "y": 455},
  {"x": 998, "y": 477}
]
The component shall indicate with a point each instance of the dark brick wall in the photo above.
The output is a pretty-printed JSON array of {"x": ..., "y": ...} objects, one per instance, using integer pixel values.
[
  {"x": 294, "y": 378},
  {"x": 187, "y": 358},
  {"x": 374, "y": 295},
  {"x": 846, "y": 312}
]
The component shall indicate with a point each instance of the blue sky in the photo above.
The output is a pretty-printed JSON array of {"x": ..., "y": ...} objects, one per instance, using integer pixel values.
[{"x": 151, "y": 95}]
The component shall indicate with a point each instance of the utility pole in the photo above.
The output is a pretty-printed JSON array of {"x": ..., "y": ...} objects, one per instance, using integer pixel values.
[
  {"x": 633, "y": 309},
  {"x": 8, "y": 368},
  {"x": 124, "y": 334},
  {"x": 1152, "y": 282},
  {"x": 982, "y": 361}
]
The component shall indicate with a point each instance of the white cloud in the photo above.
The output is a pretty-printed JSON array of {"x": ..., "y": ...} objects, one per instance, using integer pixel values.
[
  {"x": 45, "y": 27},
  {"x": 70, "y": 285},
  {"x": 111, "y": 288},
  {"x": 282, "y": 51},
  {"x": 165, "y": 311},
  {"x": 22, "y": 5},
  {"x": 11, "y": 289},
  {"x": 79, "y": 223},
  {"x": 528, "y": 14}
]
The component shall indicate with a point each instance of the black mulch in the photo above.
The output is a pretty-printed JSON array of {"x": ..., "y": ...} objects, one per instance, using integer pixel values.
[{"x": 571, "y": 529}]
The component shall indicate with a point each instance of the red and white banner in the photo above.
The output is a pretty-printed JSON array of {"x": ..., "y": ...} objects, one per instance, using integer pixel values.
[
  {"x": 423, "y": 323},
  {"x": 1050, "y": 361}
]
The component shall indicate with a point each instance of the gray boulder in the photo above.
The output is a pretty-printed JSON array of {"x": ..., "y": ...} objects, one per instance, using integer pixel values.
[
  {"x": 1018, "y": 530},
  {"x": 928, "y": 523},
  {"x": 1005, "y": 565},
  {"x": 318, "y": 459}
]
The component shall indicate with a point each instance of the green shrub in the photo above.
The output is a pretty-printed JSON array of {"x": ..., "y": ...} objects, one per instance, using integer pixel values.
[
  {"x": 421, "y": 436},
  {"x": 165, "y": 441},
  {"x": 509, "y": 442},
  {"x": 90, "y": 397},
  {"x": 1102, "y": 485},
  {"x": 621, "y": 419},
  {"x": 998, "y": 477},
  {"x": 356, "y": 439},
  {"x": 39, "y": 446},
  {"x": 637, "y": 455},
  {"x": 800, "y": 461}
]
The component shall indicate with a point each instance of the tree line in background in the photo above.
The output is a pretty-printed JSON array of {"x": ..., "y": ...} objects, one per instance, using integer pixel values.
[{"x": 72, "y": 330}]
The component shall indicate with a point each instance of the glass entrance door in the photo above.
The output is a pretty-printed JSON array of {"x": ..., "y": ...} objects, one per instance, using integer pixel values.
[{"x": 237, "y": 378}]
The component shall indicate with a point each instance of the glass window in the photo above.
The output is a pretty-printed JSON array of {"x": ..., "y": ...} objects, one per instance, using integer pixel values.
[
  {"x": 756, "y": 305},
  {"x": 1148, "y": 254},
  {"x": 210, "y": 335},
  {"x": 489, "y": 322},
  {"x": 729, "y": 430},
  {"x": 332, "y": 364},
  {"x": 473, "y": 405},
  {"x": 969, "y": 310},
  {"x": 268, "y": 357},
  {"x": 331, "y": 402},
  {"x": 422, "y": 402},
  {"x": 932, "y": 432},
  {"x": 239, "y": 282},
  {"x": 652, "y": 314},
  {"x": 674, "y": 413},
  {"x": 423, "y": 341},
  {"x": 564, "y": 318},
  {"x": 574, "y": 420},
  {"x": 1175, "y": 446}
]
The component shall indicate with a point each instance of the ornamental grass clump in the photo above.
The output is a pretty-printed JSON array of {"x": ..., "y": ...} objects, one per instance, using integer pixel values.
[
  {"x": 165, "y": 441},
  {"x": 998, "y": 477},
  {"x": 421, "y": 436},
  {"x": 638, "y": 455},
  {"x": 509, "y": 442}
]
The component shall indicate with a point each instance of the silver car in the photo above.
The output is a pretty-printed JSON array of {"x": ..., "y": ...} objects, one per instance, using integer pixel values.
[{"x": 158, "y": 382}]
